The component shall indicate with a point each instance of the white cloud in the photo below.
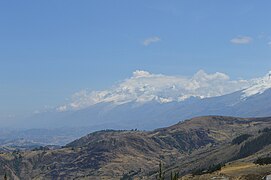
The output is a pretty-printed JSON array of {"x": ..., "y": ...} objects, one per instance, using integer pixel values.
[
  {"x": 62, "y": 108},
  {"x": 144, "y": 86},
  {"x": 151, "y": 40},
  {"x": 269, "y": 43},
  {"x": 241, "y": 40}
]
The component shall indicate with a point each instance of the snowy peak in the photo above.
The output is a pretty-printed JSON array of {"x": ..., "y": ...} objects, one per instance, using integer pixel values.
[
  {"x": 259, "y": 86},
  {"x": 144, "y": 86}
]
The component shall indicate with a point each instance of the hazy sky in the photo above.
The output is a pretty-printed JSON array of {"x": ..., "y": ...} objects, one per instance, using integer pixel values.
[{"x": 52, "y": 48}]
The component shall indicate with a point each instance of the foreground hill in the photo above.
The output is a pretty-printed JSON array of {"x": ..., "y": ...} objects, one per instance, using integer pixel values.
[{"x": 190, "y": 146}]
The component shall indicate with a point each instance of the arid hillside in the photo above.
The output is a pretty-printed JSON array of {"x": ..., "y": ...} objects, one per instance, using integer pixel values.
[{"x": 191, "y": 146}]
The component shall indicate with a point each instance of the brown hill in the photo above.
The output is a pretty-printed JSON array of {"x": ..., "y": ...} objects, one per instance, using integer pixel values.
[{"x": 186, "y": 147}]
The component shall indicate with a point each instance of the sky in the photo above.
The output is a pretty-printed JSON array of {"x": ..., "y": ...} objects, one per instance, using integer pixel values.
[{"x": 51, "y": 49}]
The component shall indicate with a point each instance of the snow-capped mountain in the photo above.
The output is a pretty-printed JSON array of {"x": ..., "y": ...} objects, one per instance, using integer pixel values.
[
  {"x": 148, "y": 101},
  {"x": 145, "y": 87},
  {"x": 259, "y": 86}
]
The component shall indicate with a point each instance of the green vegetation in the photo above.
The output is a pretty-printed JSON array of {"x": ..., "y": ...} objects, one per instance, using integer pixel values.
[
  {"x": 238, "y": 140},
  {"x": 161, "y": 175},
  {"x": 175, "y": 176},
  {"x": 263, "y": 161}
]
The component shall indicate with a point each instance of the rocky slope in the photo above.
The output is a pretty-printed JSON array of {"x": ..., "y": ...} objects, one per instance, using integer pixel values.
[{"x": 188, "y": 146}]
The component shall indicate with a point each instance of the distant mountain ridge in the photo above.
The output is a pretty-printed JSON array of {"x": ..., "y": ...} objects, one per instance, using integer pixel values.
[{"x": 251, "y": 102}]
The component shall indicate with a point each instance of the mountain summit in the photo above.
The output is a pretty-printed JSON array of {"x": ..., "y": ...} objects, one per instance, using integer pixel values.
[
  {"x": 259, "y": 86},
  {"x": 144, "y": 87}
]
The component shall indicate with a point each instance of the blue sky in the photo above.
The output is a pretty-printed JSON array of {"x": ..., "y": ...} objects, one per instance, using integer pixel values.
[{"x": 51, "y": 49}]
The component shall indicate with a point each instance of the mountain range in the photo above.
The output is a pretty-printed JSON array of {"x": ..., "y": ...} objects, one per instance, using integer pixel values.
[{"x": 152, "y": 112}]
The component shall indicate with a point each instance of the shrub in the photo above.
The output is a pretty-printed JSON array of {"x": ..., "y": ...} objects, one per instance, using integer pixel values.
[{"x": 263, "y": 161}]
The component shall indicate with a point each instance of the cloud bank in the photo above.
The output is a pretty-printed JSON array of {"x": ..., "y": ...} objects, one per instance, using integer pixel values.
[{"x": 144, "y": 86}]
